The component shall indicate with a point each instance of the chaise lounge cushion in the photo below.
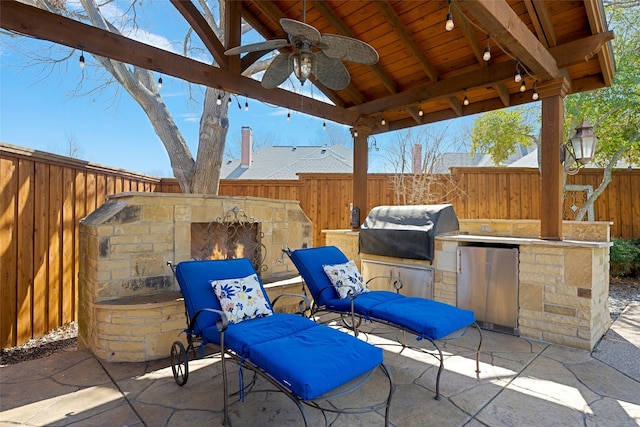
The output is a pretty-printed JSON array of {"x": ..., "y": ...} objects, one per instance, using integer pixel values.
[
  {"x": 315, "y": 361},
  {"x": 310, "y": 262},
  {"x": 364, "y": 303},
  {"x": 430, "y": 319}
]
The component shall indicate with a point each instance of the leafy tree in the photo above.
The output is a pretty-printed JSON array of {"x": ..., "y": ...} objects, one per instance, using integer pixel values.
[
  {"x": 614, "y": 112},
  {"x": 199, "y": 174}
]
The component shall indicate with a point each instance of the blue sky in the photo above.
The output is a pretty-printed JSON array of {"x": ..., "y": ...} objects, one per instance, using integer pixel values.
[{"x": 40, "y": 109}]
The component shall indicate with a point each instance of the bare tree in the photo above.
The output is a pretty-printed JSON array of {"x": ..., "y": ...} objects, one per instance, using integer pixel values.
[
  {"x": 199, "y": 174},
  {"x": 413, "y": 159}
]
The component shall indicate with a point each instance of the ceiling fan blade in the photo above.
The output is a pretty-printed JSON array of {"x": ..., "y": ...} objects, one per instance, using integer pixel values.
[
  {"x": 300, "y": 29},
  {"x": 331, "y": 72},
  {"x": 255, "y": 47},
  {"x": 349, "y": 49},
  {"x": 277, "y": 72}
]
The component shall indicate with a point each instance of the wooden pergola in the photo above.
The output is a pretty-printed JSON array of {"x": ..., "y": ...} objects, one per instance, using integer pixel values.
[{"x": 423, "y": 75}]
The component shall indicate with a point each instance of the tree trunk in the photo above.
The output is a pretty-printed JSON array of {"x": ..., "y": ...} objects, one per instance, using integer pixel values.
[{"x": 606, "y": 179}]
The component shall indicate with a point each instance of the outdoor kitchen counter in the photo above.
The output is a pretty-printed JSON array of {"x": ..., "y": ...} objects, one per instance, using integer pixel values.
[{"x": 506, "y": 240}]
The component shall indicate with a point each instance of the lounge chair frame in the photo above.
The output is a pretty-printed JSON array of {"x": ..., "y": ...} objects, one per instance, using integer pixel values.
[
  {"x": 197, "y": 347},
  {"x": 352, "y": 319}
]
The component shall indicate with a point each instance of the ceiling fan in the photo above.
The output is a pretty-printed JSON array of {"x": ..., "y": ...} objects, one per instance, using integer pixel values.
[{"x": 312, "y": 53}]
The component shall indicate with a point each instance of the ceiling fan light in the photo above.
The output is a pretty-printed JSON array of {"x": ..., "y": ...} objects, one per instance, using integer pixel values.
[{"x": 303, "y": 62}]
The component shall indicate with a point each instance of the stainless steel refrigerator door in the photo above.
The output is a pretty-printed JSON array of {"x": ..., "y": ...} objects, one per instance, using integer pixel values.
[{"x": 488, "y": 285}]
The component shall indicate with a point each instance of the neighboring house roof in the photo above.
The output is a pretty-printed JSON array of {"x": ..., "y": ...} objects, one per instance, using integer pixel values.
[
  {"x": 285, "y": 162},
  {"x": 449, "y": 160}
]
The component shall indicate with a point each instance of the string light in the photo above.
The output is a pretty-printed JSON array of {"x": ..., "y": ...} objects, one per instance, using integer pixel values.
[
  {"x": 523, "y": 86},
  {"x": 518, "y": 76},
  {"x": 355, "y": 133},
  {"x": 82, "y": 61},
  {"x": 219, "y": 100},
  {"x": 487, "y": 51},
  {"x": 466, "y": 100},
  {"x": 159, "y": 83},
  {"x": 535, "y": 95},
  {"x": 324, "y": 125},
  {"x": 229, "y": 101},
  {"x": 289, "y": 116},
  {"x": 420, "y": 111},
  {"x": 383, "y": 121},
  {"x": 449, "y": 25},
  {"x": 246, "y": 104}
]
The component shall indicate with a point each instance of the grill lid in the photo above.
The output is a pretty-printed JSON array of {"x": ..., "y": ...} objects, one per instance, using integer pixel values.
[{"x": 406, "y": 231}]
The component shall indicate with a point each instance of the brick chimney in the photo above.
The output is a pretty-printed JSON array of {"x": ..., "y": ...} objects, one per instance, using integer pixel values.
[
  {"x": 416, "y": 158},
  {"x": 246, "y": 147}
]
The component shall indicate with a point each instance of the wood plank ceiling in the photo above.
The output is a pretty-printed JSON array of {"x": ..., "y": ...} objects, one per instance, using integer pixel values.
[{"x": 424, "y": 72}]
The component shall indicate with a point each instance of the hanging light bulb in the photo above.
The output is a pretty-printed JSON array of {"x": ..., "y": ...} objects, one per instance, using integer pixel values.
[
  {"x": 229, "y": 101},
  {"x": 449, "y": 25},
  {"x": 289, "y": 117},
  {"x": 82, "y": 64},
  {"x": 159, "y": 83},
  {"x": 535, "y": 95},
  {"x": 383, "y": 121},
  {"x": 487, "y": 51},
  {"x": 465, "y": 101},
  {"x": 523, "y": 86},
  {"x": 246, "y": 105},
  {"x": 219, "y": 100},
  {"x": 420, "y": 112},
  {"x": 518, "y": 77},
  {"x": 355, "y": 133},
  {"x": 324, "y": 125}
]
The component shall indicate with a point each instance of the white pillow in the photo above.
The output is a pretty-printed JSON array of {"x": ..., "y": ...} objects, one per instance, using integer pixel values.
[
  {"x": 345, "y": 278},
  {"x": 241, "y": 299}
]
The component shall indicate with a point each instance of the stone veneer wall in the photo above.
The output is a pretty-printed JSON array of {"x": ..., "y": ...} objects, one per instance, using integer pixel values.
[
  {"x": 130, "y": 307},
  {"x": 563, "y": 285}
]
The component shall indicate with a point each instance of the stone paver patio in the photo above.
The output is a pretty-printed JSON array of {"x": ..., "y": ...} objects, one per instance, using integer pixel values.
[{"x": 523, "y": 382}]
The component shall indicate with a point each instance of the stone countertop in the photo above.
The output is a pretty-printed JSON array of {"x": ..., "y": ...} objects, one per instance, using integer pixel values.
[{"x": 508, "y": 240}]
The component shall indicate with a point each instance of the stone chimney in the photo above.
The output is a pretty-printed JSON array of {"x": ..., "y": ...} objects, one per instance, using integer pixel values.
[
  {"x": 416, "y": 158},
  {"x": 246, "y": 147}
]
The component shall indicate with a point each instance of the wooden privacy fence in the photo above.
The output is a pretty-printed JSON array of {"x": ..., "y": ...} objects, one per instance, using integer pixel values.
[{"x": 44, "y": 196}]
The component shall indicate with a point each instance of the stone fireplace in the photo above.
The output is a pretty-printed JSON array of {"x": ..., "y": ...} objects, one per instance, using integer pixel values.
[{"x": 130, "y": 307}]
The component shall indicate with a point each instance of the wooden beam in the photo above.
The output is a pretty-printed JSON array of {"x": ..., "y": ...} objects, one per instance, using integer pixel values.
[
  {"x": 580, "y": 50},
  {"x": 440, "y": 89},
  {"x": 541, "y": 20},
  {"x": 401, "y": 31},
  {"x": 38, "y": 23},
  {"x": 455, "y": 105},
  {"x": 468, "y": 31},
  {"x": 202, "y": 29},
  {"x": 233, "y": 32},
  {"x": 415, "y": 114},
  {"x": 335, "y": 21},
  {"x": 360, "y": 171},
  {"x": 502, "y": 23},
  {"x": 551, "y": 169},
  {"x": 503, "y": 93}
]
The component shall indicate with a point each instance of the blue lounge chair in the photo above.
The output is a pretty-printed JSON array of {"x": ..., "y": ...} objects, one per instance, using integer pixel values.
[
  {"x": 425, "y": 318},
  {"x": 305, "y": 360}
]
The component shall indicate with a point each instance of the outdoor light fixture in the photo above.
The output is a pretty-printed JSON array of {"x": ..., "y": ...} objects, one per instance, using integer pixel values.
[
  {"x": 159, "y": 83},
  {"x": 449, "y": 25},
  {"x": 324, "y": 125},
  {"x": 518, "y": 76},
  {"x": 219, "y": 100},
  {"x": 383, "y": 121},
  {"x": 579, "y": 150},
  {"x": 303, "y": 64},
  {"x": 246, "y": 105},
  {"x": 466, "y": 100},
  {"x": 487, "y": 51},
  {"x": 535, "y": 95},
  {"x": 420, "y": 112},
  {"x": 82, "y": 61},
  {"x": 523, "y": 86},
  {"x": 288, "y": 116},
  {"x": 355, "y": 133}
]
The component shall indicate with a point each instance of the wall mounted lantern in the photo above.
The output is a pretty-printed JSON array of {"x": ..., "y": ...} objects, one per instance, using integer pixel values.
[{"x": 579, "y": 150}]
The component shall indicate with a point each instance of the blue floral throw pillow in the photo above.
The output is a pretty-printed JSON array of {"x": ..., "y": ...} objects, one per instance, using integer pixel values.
[
  {"x": 241, "y": 299},
  {"x": 345, "y": 278}
]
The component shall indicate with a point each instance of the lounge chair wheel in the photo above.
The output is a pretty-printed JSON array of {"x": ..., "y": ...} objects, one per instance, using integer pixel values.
[
  {"x": 348, "y": 323},
  {"x": 179, "y": 363}
]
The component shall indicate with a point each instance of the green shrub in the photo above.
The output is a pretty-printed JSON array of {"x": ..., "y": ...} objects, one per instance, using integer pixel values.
[{"x": 625, "y": 257}]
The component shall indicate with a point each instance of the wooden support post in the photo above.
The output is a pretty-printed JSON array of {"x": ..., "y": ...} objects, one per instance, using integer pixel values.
[
  {"x": 551, "y": 196},
  {"x": 360, "y": 170}
]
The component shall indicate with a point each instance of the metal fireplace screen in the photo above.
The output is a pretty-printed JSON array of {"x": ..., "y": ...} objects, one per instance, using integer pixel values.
[
  {"x": 406, "y": 231},
  {"x": 233, "y": 236}
]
